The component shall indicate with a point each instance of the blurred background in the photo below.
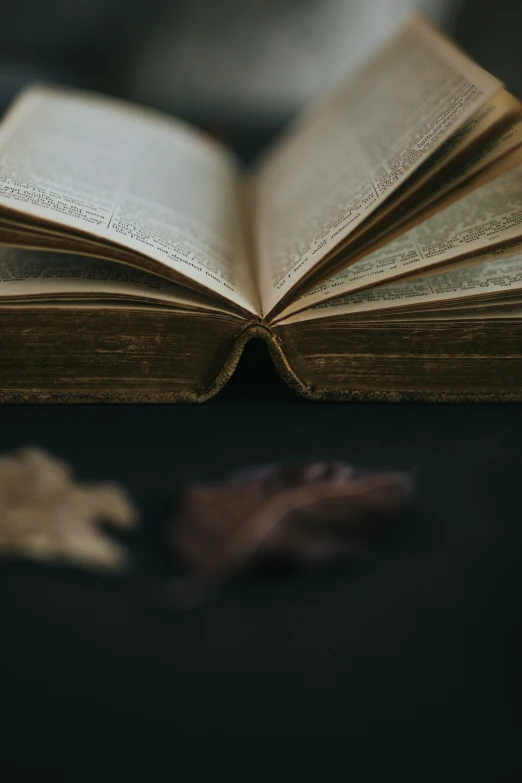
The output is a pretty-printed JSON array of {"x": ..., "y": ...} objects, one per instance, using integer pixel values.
[{"x": 240, "y": 68}]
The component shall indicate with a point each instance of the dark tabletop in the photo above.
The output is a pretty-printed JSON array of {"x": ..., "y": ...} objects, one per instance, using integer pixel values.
[{"x": 404, "y": 666}]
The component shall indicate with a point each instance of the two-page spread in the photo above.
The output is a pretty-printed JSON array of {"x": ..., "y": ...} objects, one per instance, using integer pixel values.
[{"x": 399, "y": 195}]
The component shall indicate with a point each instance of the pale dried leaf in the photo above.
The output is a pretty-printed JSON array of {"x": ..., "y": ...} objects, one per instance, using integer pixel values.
[{"x": 46, "y": 515}]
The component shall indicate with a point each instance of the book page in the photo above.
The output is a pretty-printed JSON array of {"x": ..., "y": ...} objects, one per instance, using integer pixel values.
[
  {"x": 492, "y": 119},
  {"x": 497, "y": 156},
  {"x": 134, "y": 177},
  {"x": 341, "y": 163},
  {"x": 463, "y": 164},
  {"x": 508, "y": 313},
  {"x": 43, "y": 275},
  {"x": 494, "y": 151},
  {"x": 490, "y": 216},
  {"x": 497, "y": 276}
]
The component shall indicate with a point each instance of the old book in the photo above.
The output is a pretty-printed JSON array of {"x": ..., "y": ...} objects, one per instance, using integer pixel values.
[{"x": 377, "y": 247}]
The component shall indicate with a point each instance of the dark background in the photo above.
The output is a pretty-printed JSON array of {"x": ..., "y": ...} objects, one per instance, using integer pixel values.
[
  {"x": 405, "y": 665},
  {"x": 109, "y": 45}
]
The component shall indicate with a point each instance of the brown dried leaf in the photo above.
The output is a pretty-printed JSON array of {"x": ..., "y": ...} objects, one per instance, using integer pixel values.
[
  {"x": 317, "y": 512},
  {"x": 45, "y": 515}
]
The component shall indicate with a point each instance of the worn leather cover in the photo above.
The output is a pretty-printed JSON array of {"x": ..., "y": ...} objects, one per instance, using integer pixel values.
[{"x": 282, "y": 365}]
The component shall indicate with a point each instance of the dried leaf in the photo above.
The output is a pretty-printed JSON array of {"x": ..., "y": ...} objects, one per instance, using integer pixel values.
[
  {"x": 45, "y": 515},
  {"x": 317, "y": 512}
]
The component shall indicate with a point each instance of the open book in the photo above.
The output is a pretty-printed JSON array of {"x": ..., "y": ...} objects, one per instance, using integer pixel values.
[{"x": 377, "y": 247}]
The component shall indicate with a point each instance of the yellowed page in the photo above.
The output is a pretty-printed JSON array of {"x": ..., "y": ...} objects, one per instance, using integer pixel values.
[
  {"x": 130, "y": 176},
  {"x": 506, "y": 142},
  {"x": 472, "y": 315},
  {"x": 484, "y": 142},
  {"x": 486, "y": 218},
  {"x": 44, "y": 275},
  {"x": 338, "y": 166},
  {"x": 481, "y": 165},
  {"x": 485, "y": 125},
  {"x": 499, "y": 156},
  {"x": 492, "y": 277},
  {"x": 494, "y": 158}
]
